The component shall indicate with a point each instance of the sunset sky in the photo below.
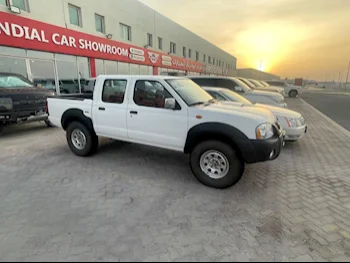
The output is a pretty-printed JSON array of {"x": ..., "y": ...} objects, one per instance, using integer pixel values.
[{"x": 293, "y": 38}]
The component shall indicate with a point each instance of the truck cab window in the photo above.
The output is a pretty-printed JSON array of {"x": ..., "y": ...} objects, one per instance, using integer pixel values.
[
  {"x": 114, "y": 91},
  {"x": 150, "y": 94}
]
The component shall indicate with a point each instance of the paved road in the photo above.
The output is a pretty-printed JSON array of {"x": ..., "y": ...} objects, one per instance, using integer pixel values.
[
  {"x": 337, "y": 107},
  {"x": 135, "y": 203}
]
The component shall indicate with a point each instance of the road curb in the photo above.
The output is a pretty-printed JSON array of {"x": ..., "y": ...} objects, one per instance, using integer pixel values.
[{"x": 339, "y": 127}]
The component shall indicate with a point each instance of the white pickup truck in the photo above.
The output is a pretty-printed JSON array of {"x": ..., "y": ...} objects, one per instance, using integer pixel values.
[{"x": 171, "y": 113}]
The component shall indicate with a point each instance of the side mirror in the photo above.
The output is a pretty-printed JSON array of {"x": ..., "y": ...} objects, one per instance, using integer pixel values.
[
  {"x": 238, "y": 89},
  {"x": 170, "y": 104}
]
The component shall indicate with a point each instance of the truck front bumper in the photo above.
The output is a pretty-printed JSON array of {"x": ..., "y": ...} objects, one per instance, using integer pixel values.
[{"x": 264, "y": 150}]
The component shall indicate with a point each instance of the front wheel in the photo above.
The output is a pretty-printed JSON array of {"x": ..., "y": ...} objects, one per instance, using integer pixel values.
[
  {"x": 216, "y": 164},
  {"x": 293, "y": 94},
  {"x": 81, "y": 140}
]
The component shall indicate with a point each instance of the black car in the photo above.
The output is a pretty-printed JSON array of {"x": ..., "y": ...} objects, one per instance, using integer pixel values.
[{"x": 21, "y": 100}]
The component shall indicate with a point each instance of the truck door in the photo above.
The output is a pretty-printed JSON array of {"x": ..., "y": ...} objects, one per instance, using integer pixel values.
[
  {"x": 109, "y": 109},
  {"x": 150, "y": 121}
]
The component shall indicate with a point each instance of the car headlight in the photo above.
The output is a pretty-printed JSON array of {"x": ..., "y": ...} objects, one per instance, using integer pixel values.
[
  {"x": 292, "y": 122},
  {"x": 264, "y": 131}
]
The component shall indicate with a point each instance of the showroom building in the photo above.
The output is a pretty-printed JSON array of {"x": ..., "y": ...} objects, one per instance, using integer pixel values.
[{"x": 63, "y": 43}]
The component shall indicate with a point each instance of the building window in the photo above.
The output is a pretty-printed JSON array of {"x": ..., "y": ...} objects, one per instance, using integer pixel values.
[
  {"x": 189, "y": 53},
  {"x": 213, "y": 61},
  {"x": 21, "y": 4},
  {"x": 209, "y": 59},
  {"x": 184, "y": 51},
  {"x": 149, "y": 40},
  {"x": 100, "y": 23},
  {"x": 172, "y": 48},
  {"x": 204, "y": 58},
  {"x": 125, "y": 32},
  {"x": 197, "y": 55},
  {"x": 160, "y": 43},
  {"x": 75, "y": 15}
]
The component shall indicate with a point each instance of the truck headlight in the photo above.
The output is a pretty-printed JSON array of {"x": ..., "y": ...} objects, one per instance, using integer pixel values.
[
  {"x": 264, "y": 131},
  {"x": 292, "y": 122}
]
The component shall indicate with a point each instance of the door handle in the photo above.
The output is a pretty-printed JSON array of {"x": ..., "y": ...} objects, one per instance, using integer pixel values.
[
  {"x": 133, "y": 112},
  {"x": 101, "y": 108}
]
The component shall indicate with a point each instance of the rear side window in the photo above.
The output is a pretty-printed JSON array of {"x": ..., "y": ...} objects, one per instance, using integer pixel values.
[
  {"x": 204, "y": 82},
  {"x": 150, "y": 94},
  {"x": 276, "y": 83},
  {"x": 225, "y": 83},
  {"x": 114, "y": 91}
]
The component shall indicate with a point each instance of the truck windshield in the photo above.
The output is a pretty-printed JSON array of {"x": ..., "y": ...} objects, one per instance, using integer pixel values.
[
  {"x": 14, "y": 82},
  {"x": 190, "y": 92}
]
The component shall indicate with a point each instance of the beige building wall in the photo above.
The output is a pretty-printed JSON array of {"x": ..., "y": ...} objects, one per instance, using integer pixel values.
[
  {"x": 250, "y": 73},
  {"x": 141, "y": 18}
]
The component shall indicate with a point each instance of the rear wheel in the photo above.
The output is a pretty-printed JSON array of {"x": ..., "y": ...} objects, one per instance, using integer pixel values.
[
  {"x": 293, "y": 93},
  {"x": 216, "y": 164},
  {"x": 1, "y": 128},
  {"x": 81, "y": 140}
]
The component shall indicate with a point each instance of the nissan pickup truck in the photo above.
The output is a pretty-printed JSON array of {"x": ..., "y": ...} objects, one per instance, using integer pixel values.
[
  {"x": 172, "y": 113},
  {"x": 21, "y": 101}
]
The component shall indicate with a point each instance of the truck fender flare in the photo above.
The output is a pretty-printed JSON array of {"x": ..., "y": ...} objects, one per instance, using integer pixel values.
[
  {"x": 218, "y": 131},
  {"x": 76, "y": 115}
]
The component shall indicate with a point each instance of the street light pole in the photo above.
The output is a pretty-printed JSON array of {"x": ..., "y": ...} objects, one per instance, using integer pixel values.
[{"x": 347, "y": 77}]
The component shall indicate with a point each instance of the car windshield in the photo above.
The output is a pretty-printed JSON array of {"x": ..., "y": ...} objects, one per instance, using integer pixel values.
[
  {"x": 232, "y": 96},
  {"x": 256, "y": 83},
  {"x": 242, "y": 84},
  {"x": 265, "y": 83},
  {"x": 14, "y": 82},
  {"x": 249, "y": 83},
  {"x": 190, "y": 92}
]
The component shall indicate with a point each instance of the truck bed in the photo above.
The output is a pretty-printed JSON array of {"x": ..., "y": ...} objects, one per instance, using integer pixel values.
[{"x": 58, "y": 105}]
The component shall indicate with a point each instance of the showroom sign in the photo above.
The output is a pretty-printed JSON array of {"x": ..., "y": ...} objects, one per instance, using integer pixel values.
[{"x": 16, "y": 31}]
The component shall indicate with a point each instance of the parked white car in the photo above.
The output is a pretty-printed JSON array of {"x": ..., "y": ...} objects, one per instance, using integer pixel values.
[
  {"x": 255, "y": 85},
  {"x": 236, "y": 85},
  {"x": 289, "y": 89},
  {"x": 292, "y": 122},
  {"x": 170, "y": 113}
]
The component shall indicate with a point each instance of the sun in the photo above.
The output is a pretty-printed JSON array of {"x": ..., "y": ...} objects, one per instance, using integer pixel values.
[{"x": 265, "y": 46}]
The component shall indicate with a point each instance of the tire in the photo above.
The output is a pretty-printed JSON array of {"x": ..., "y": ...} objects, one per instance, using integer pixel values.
[
  {"x": 88, "y": 146},
  {"x": 1, "y": 128},
  {"x": 293, "y": 94},
  {"x": 229, "y": 176},
  {"x": 48, "y": 124}
]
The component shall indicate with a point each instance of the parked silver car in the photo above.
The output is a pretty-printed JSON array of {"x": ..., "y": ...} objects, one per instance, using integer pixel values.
[
  {"x": 290, "y": 89},
  {"x": 292, "y": 122},
  {"x": 234, "y": 84}
]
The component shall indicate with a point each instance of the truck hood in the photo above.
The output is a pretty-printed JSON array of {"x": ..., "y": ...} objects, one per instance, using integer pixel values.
[
  {"x": 278, "y": 111},
  {"x": 273, "y": 95},
  {"x": 234, "y": 108}
]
